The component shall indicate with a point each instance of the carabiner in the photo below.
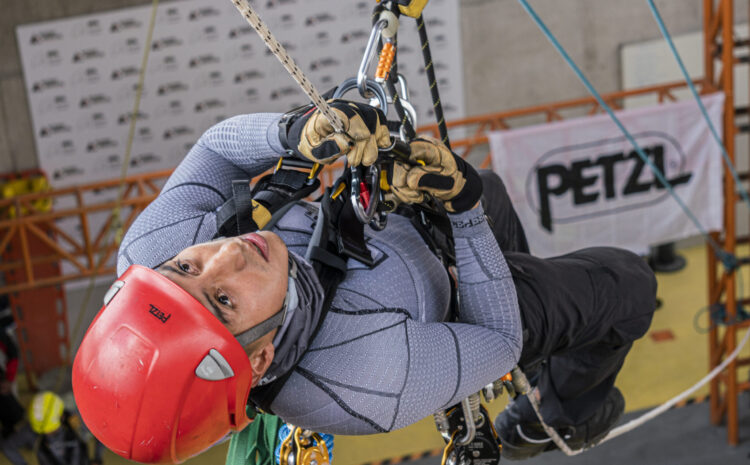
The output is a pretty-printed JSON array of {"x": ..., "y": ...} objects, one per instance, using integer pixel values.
[
  {"x": 370, "y": 52},
  {"x": 365, "y": 201}
]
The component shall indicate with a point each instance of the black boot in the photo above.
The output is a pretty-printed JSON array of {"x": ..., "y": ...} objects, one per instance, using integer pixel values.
[{"x": 523, "y": 437}]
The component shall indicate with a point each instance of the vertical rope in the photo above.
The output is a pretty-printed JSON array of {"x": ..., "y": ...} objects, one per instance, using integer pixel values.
[
  {"x": 289, "y": 64},
  {"x": 432, "y": 81}
]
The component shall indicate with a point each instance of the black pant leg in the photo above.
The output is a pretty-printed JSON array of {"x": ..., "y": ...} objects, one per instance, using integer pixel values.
[
  {"x": 582, "y": 312},
  {"x": 503, "y": 218}
]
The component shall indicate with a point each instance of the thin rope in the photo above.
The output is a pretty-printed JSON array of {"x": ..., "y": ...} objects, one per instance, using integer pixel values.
[
  {"x": 115, "y": 219},
  {"x": 280, "y": 52},
  {"x": 726, "y": 258},
  {"x": 730, "y": 166}
]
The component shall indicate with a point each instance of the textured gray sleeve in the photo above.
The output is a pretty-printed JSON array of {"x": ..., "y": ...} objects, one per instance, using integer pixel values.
[
  {"x": 184, "y": 213},
  {"x": 488, "y": 295}
]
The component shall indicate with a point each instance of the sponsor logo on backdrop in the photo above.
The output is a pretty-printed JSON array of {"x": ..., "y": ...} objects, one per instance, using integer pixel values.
[
  {"x": 170, "y": 15},
  {"x": 286, "y": 21},
  {"x": 124, "y": 72},
  {"x": 170, "y": 108},
  {"x": 178, "y": 131},
  {"x": 54, "y": 129},
  {"x": 240, "y": 32},
  {"x": 125, "y": 118},
  {"x": 90, "y": 27},
  {"x": 357, "y": 35},
  {"x": 209, "y": 79},
  {"x": 93, "y": 120},
  {"x": 67, "y": 172},
  {"x": 94, "y": 100},
  {"x": 281, "y": 92},
  {"x": 46, "y": 84},
  {"x": 240, "y": 52},
  {"x": 88, "y": 75},
  {"x": 144, "y": 134},
  {"x": 143, "y": 160},
  {"x": 172, "y": 87},
  {"x": 54, "y": 103},
  {"x": 127, "y": 45},
  {"x": 64, "y": 147},
  {"x": 100, "y": 144},
  {"x": 209, "y": 104},
  {"x": 47, "y": 58},
  {"x": 126, "y": 93},
  {"x": 203, "y": 13},
  {"x": 324, "y": 63},
  {"x": 87, "y": 54},
  {"x": 319, "y": 18},
  {"x": 591, "y": 183},
  {"x": 167, "y": 63},
  {"x": 124, "y": 24},
  {"x": 166, "y": 42},
  {"x": 248, "y": 75},
  {"x": 203, "y": 60},
  {"x": 204, "y": 34},
  {"x": 44, "y": 37},
  {"x": 279, "y": 3}
]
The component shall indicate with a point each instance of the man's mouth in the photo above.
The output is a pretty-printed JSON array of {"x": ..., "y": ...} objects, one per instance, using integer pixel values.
[{"x": 258, "y": 242}]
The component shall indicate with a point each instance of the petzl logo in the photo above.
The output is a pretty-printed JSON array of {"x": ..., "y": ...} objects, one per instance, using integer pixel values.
[
  {"x": 163, "y": 317},
  {"x": 575, "y": 183}
]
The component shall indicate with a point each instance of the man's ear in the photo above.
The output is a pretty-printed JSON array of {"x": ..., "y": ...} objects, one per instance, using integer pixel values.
[{"x": 260, "y": 360}]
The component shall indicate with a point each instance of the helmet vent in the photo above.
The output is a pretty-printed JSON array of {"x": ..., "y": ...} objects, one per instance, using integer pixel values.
[{"x": 214, "y": 367}]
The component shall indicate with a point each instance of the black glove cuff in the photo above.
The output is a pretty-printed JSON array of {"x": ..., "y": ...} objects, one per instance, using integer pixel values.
[
  {"x": 472, "y": 190},
  {"x": 290, "y": 127}
]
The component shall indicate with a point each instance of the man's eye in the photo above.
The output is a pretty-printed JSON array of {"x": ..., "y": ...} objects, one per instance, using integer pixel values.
[
  {"x": 185, "y": 267},
  {"x": 223, "y": 299}
]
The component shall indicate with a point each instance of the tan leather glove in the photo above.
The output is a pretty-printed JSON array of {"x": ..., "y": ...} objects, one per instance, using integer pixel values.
[
  {"x": 313, "y": 137},
  {"x": 440, "y": 173}
]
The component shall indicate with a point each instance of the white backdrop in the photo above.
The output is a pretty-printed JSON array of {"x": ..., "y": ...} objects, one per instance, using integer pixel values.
[
  {"x": 206, "y": 64},
  {"x": 579, "y": 183}
]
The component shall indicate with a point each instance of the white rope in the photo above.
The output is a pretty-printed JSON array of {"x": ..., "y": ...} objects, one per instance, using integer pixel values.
[
  {"x": 635, "y": 423},
  {"x": 280, "y": 52}
]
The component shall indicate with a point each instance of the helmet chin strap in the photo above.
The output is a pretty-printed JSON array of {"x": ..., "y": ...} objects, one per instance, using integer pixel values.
[{"x": 277, "y": 319}]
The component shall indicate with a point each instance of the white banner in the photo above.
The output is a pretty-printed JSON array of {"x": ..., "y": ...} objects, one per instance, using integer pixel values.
[
  {"x": 206, "y": 64},
  {"x": 579, "y": 183}
]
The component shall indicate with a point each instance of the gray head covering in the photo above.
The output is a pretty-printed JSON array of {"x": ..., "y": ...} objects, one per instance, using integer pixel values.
[{"x": 293, "y": 338}]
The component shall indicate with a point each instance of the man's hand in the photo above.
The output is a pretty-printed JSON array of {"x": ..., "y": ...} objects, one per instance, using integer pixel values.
[
  {"x": 440, "y": 173},
  {"x": 312, "y": 136}
]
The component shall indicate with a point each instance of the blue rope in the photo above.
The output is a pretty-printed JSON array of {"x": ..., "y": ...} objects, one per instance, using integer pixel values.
[
  {"x": 717, "y": 138},
  {"x": 729, "y": 260}
]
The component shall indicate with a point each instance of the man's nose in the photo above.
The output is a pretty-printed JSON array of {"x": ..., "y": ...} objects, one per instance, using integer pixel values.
[{"x": 230, "y": 256}]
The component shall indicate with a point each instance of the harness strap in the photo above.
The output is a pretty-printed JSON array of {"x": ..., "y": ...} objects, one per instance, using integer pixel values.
[{"x": 250, "y": 210}]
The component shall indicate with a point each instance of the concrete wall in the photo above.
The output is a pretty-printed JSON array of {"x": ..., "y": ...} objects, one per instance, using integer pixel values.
[{"x": 509, "y": 64}]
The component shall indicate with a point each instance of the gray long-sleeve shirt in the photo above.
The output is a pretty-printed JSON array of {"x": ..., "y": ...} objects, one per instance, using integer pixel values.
[{"x": 383, "y": 358}]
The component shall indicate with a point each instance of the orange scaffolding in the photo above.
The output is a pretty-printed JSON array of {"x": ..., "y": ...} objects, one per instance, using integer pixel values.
[
  {"x": 140, "y": 190},
  {"x": 719, "y": 61}
]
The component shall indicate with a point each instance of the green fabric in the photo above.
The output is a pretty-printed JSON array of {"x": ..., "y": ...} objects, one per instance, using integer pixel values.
[{"x": 255, "y": 445}]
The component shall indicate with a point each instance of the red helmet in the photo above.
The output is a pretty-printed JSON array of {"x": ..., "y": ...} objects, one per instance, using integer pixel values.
[{"x": 157, "y": 377}]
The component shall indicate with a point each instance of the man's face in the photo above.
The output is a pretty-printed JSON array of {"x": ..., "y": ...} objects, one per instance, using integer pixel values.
[{"x": 242, "y": 280}]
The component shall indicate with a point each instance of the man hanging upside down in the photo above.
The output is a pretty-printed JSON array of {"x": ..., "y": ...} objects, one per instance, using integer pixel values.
[{"x": 383, "y": 356}]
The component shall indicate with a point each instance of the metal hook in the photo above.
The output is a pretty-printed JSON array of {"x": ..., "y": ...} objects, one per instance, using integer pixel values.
[{"x": 370, "y": 52}]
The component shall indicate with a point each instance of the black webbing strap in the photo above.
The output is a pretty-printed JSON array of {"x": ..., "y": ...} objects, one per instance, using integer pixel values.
[
  {"x": 236, "y": 215},
  {"x": 273, "y": 191}
]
